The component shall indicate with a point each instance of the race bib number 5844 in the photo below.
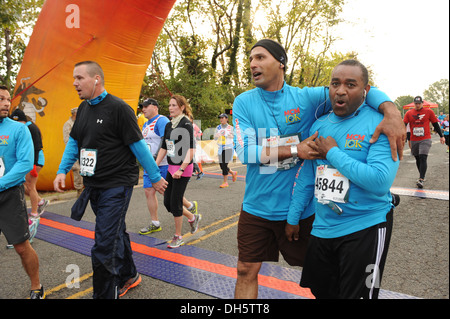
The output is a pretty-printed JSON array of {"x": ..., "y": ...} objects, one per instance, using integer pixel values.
[{"x": 330, "y": 185}]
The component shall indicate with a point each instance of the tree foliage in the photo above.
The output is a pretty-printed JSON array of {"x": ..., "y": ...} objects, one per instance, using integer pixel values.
[
  {"x": 202, "y": 52},
  {"x": 403, "y": 100},
  {"x": 16, "y": 20},
  {"x": 438, "y": 92}
]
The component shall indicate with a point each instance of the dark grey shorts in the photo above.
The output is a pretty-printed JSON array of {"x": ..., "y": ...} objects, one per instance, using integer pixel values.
[
  {"x": 13, "y": 215},
  {"x": 420, "y": 147}
]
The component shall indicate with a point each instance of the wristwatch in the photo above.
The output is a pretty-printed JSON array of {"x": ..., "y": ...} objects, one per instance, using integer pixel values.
[
  {"x": 180, "y": 169},
  {"x": 294, "y": 153}
]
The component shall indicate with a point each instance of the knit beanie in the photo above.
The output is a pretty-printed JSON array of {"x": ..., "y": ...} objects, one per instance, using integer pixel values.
[{"x": 274, "y": 48}]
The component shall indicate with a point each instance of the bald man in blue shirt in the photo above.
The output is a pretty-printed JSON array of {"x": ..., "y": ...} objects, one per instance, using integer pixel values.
[{"x": 350, "y": 192}]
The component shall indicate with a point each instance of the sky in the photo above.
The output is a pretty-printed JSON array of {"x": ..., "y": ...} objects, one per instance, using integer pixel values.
[{"x": 405, "y": 42}]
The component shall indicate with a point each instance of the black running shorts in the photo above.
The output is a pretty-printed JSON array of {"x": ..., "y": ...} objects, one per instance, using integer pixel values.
[
  {"x": 348, "y": 267},
  {"x": 13, "y": 215}
]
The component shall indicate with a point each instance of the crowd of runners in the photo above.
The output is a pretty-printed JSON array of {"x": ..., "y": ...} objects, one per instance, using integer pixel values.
[{"x": 336, "y": 149}]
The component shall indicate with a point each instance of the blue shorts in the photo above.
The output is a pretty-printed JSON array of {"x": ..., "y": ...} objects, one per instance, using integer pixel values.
[{"x": 162, "y": 169}]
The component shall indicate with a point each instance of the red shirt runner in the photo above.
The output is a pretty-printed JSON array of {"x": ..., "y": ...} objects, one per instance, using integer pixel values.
[{"x": 419, "y": 123}]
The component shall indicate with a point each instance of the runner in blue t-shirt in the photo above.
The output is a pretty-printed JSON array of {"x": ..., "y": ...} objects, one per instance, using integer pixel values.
[
  {"x": 350, "y": 191},
  {"x": 16, "y": 160},
  {"x": 262, "y": 118}
]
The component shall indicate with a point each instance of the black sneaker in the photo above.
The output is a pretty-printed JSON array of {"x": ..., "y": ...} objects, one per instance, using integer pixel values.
[
  {"x": 420, "y": 183},
  {"x": 37, "y": 294}
]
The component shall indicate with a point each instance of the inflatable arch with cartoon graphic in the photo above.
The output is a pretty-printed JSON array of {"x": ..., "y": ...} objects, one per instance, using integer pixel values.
[{"x": 119, "y": 35}]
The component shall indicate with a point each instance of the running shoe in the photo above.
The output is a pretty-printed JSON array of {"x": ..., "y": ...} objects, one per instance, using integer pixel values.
[
  {"x": 234, "y": 176},
  {"x": 150, "y": 229},
  {"x": 33, "y": 215},
  {"x": 200, "y": 175},
  {"x": 194, "y": 224},
  {"x": 420, "y": 183},
  {"x": 176, "y": 242},
  {"x": 194, "y": 208},
  {"x": 41, "y": 207},
  {"x": 131, "y": 283},
  {"x": 224, "y": 185},
  {"x": 37, "y": 294},
  {"x": 33, "y": 228}
]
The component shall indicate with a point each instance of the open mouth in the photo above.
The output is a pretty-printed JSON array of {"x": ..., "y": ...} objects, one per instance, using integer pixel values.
[
  {"x": 339, "y": 103},
  {"x": 256, "y": 75}
]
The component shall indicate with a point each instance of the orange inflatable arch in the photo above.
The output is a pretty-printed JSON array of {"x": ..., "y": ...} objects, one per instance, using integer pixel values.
[{"x": 119, "y": 35}]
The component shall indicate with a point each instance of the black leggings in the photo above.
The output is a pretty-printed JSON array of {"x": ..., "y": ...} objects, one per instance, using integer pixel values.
[
  {"x": 173, "y": 196},
  {"x": 421, "y": 163},
  {"x": 224, "y": 158}
]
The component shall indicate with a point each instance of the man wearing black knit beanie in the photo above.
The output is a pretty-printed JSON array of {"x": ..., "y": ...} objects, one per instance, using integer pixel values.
[
  {"x": 275, "y": 49},
  {"x": 270, "y": 121}
]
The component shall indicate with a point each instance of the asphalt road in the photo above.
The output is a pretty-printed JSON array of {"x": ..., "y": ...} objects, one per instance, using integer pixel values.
[{"x": 417, "y": 263}]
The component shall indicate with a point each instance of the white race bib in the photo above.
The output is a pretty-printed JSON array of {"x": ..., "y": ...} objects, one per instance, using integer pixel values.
[
  {"x": 170, "y": 148},
  {"x": 88, "y": 162},
  {"x": 283, "y": 140},
  {"x": 330, "y": 186},
  {"x": 419, "y": 131},
  {"x": 2, "y": 167}
]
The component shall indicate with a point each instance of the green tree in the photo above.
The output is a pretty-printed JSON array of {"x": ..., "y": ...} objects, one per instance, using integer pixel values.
[
  {"x": 403, "y": 100},
  {"x": 438, "y": 92},
  {"x": 303, "y": 28},
  {"x": 16, "y": 18},
  {"x": 202, "y": 52}
]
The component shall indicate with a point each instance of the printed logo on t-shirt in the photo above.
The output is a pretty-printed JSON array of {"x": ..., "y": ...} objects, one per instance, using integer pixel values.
[
  {"x": 292, "y": 115},
  {"x": 419, "y": 117},
  {"x": 4, "y": 139},
  {"x": 353, "y": 142}
]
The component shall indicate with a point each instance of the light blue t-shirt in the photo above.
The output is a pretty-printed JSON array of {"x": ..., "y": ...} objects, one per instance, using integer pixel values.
[
  {"x": 369, "y": 168},
  {"x": 259, "y": 114},
  {"x": 16, "y": 153}
]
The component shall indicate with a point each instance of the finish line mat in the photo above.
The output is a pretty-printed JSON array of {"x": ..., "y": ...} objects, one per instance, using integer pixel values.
[
  {"x": 205, "y": 271},
  {"x": 416, "y": 192},
  {"x": 423, "y": 193}
]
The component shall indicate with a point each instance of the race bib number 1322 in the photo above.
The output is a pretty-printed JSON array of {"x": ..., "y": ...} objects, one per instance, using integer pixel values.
[{"x": 88, "y": 161}]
